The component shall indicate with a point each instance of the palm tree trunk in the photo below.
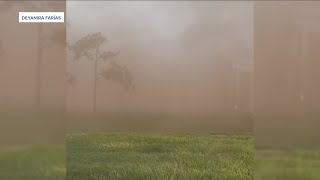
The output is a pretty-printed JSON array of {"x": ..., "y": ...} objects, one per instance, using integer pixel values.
[
  {"x": 39, "y": 68},
  {"x": 235, "y": 87},
  {"x": 95, "y": 82},
  {"x": 301, "y": 67},
  {"x": 252, "y": 91}
]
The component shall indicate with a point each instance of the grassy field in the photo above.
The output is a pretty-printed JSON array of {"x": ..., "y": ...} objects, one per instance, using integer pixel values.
[
  {"x": 137, "y": 156},
  {"x": 33, "y": 163},
  {"x": 134, "y": 156},
  {"x": 155, "y": 150},
  {"x": 287, "y": 164}
]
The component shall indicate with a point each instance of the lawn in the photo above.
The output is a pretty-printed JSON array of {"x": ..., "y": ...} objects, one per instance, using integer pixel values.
[
  {"x": 287, "y": 164},
  {"x": 137, "y": 156},
  {"x": 164, "y": 146},
  {"x": 150, "y": 156},
  {"x": 33, "y": 163}
]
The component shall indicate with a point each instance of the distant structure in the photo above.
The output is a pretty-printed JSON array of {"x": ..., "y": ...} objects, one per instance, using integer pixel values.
[
  {"x": 287, "y": 37},
  {"x": 308, "y": 54},
  {"x": 243, "y": 86},
  {"x": 286, "y": 64}
]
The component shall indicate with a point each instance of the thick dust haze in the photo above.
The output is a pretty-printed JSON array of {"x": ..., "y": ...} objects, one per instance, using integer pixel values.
[
  {"x": 32, "y": 75},
  {"x": 21, "y": 69},
  {"x": 287, "y": 86},
  {"x": 182, "y": 55},
  {"x": 215, "y": 67}
]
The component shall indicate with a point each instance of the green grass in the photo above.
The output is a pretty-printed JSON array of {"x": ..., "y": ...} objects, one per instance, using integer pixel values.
[
  {"x": 32, "y": 163},
  {"x": 137, "y": 156},
  {"x": 133, "y": 156},
  {"x": 287, "y": 165}
]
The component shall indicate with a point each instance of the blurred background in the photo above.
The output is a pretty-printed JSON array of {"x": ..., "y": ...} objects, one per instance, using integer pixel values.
[{"x": 191, "y": 59}]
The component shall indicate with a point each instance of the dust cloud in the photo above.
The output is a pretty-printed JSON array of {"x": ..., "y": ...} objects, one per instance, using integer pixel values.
[
  {"x": 286, "y": 74},
  {"x": 32, "y": 76},
  {"x": 184, "y": 56},
  {"x": 210, "y": 66}
]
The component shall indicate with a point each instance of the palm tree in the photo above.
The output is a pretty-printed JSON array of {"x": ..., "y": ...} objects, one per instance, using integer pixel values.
[{"x": 90, "y": 48}]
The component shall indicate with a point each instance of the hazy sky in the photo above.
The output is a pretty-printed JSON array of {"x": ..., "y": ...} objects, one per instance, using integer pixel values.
[{"x": 172, "y": 48}]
